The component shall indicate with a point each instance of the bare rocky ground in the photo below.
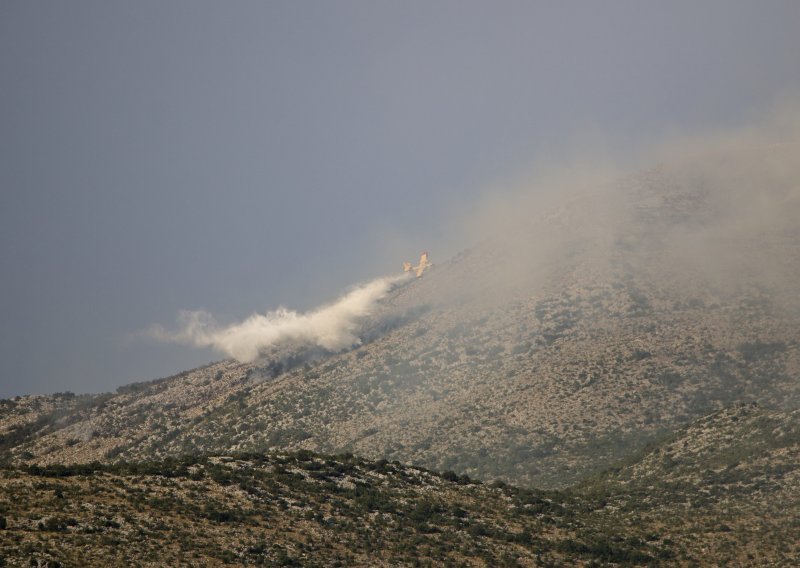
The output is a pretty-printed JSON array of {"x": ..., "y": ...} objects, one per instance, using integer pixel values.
[
  {"x": 721, "y": 492},
  {"x": 726, "y": 487}
]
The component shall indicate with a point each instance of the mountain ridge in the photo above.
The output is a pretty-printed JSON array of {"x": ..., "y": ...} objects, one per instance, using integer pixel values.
[{"x": 546, "y": 352}]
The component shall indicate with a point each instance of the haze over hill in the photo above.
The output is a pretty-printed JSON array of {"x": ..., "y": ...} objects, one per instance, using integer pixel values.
[
  {"x": 600, "y": 368},
  {"x": 715, "y": 211},
  {"x": 576, "y": 329},
  {"x": 234, "y": 159}
]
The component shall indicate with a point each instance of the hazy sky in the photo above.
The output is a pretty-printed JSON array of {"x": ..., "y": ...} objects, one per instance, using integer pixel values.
[{"x": 234, "y": 156}]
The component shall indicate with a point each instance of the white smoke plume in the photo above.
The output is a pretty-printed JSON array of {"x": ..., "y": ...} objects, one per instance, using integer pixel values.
[{"x": 333, "y": 327}]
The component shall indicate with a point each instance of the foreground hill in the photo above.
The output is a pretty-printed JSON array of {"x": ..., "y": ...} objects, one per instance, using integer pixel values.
[
  {"x": 723, "y": 491},
  {"x": 726, "y": 487},
  {"x": 537, "y": 357},
  {"x": 296, "y": 509}
]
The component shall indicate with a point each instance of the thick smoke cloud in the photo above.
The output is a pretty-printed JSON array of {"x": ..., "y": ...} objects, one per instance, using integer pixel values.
[
  {"x": 707, "y": 213},
  {"x": 706, "y": 210},
  {"x": 332, "y": 327}
]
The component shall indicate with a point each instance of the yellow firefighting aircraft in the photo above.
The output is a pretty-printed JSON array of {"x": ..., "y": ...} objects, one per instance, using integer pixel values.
[{"x": 420, "y": 268}]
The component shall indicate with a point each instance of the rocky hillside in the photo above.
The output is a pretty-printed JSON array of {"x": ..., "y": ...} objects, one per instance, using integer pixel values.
[
  {"x": 289, "y": 510},
  {"x": 726, "y": 487},
  {"x": 537, "y": 357},
  {"x": 723, "y": 491}
]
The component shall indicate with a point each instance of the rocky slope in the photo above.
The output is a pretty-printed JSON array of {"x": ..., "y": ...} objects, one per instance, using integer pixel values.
[
  {"x": 537, "y": 357},
  {"x": 720, "y": 492},
  {"x": 288, "y": 510},
  {"x": 726, "y": 487}
]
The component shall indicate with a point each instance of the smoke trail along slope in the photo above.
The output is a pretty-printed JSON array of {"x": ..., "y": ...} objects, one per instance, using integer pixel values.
[{"x": 333, "y": 327}]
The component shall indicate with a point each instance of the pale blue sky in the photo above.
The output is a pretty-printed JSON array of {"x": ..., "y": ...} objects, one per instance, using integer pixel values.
[{"x": 233, "y": 156}]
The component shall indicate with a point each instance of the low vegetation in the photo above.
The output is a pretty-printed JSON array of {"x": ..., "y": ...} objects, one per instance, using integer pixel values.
[{"x": 723, "y": 491}]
